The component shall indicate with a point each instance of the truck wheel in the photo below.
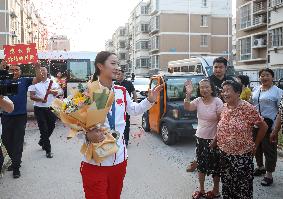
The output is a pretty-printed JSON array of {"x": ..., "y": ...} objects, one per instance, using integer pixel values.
[
  {"x": 145, "y": 122},
  {"x": 167, "y": 136}
]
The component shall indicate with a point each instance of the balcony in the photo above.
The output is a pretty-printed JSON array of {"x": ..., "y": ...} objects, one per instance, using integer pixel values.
[
  {"x": 251, "y": 58},
  {"x": 259, "y": 8},
  {"x": 258, "y": 22}
]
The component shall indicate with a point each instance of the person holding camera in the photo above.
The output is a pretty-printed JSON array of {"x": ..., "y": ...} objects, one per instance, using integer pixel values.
[
  {"x": 43, "y": 93},
  {"x": 14, "y": 122},
  {"x": 266, "y": 99},
  {"x": 5, "y": 105}
]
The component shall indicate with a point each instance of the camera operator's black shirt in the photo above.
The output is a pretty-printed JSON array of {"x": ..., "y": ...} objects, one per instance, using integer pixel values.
[
  {"x": 20, "y": 100},
  {"x": 218, "y": 83}
]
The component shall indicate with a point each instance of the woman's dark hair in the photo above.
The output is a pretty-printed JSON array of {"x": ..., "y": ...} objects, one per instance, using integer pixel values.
[
  {"x": 212, "y": 87},
  {"x": 245, "y": 80},
  {"x": 101, "y": 57},
  {"x": 266, "y": 70},
  {"x": 220, "y": 60},
  {"x": 237, "y": 87}
]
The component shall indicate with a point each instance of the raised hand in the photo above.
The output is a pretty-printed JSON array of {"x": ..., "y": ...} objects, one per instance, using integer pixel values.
[
  {"x": 189, "y": 87},
  {"x": 153, "y": 93}
]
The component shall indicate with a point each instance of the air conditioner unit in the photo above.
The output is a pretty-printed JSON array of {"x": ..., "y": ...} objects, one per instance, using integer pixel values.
[{"x": 259, "y": 42}]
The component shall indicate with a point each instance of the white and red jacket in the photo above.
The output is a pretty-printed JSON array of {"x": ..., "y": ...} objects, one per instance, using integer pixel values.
[{"x": 123, "y": 104}]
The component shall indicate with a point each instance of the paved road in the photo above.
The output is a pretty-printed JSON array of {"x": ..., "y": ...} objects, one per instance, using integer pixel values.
[{"x": 155, "y": 171}]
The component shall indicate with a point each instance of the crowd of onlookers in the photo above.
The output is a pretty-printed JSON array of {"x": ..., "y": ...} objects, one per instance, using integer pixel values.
[{"x": 235, "y": 124}]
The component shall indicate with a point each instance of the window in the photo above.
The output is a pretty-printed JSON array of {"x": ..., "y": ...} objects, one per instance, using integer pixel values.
[
  {"x": 122, "y": 44},
  {"x": 245, "y": 48},
  {"x": 277, "y": 37},
  {"x": 204, "y": 41},
  {"x": 245, "y": 16},
  {"x": 155, "y": 43},
  {"x": 122, "y": 32},
  {"x": 204, "y": 20},
  {"x": 153, "y": 83},
  {"x": 78, "y": 70},
  {"x": 122, "y": 56},
  {"x": 144, "y": 28},
  {"x": 142, "y": 63},
  {"x": 175, "y": 87},
  {"x": 204, "y": 3},
  {"x": 154, "y": 23},
  {"x": 144, "y": 10},
  {"x": 142, "y": 45},
  {"x": 138, "y": 65},
  {"x": 155, "y": 61},
  {"x": 276, "y": 2}
]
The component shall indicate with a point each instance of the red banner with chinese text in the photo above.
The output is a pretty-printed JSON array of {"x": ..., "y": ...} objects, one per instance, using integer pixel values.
[{"x": 20, "y": 54}]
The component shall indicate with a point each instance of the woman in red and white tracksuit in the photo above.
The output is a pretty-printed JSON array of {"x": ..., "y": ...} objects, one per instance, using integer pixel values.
[{"x": 105, "y": 180}]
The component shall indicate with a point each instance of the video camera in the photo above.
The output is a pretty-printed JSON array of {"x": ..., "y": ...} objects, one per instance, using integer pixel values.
[{"x": 8, "y": 86}]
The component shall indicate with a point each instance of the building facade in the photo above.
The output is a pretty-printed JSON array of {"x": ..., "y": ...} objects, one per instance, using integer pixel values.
[
  {"x": 275, "y": 37},
  {"x": 252, "y": 17},
  {"x": 21, "y": 23},
  {"x": 119, "y": 42},
  {"x": 180, "y": 29},
  {"x": 167, "y": 30},
  {"x": 259, "y": 36},
  {"x": 59, "y": 42},
  {"x": 139, "y": 39}
]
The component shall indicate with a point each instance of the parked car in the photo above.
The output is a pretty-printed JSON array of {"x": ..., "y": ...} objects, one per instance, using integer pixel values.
[
  {"x": 167, "y": 116},
  {"x": 141, "y": 85}
]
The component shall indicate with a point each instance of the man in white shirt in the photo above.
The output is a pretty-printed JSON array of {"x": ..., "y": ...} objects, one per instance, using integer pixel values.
[{"x": 43, "y": 94}]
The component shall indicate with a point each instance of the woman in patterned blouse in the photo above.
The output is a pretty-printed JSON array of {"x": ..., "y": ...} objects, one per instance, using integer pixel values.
[{"x": 235, "y": 141}]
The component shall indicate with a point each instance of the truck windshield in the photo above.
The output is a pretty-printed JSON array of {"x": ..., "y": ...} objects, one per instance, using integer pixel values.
[{"x": 176, "y": 89}]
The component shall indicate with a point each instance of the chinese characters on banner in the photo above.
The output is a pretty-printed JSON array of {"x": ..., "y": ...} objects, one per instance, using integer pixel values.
[{"x": 20, "y": 54}]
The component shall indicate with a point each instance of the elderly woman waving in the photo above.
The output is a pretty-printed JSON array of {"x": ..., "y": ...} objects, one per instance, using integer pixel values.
[{"x": 235, "y": 141}]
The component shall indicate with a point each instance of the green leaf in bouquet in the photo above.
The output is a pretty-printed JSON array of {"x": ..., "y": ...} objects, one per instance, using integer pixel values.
[{"x": 100, "y": 99}]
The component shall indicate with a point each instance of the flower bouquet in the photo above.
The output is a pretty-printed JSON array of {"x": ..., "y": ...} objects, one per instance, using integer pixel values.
[{"x": 85, "y": 109}]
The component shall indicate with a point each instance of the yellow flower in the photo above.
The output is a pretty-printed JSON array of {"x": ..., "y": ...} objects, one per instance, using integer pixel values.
[
  {"x": 79, "y": 100},
  {"x": 78, "y": 94},
  {"x": 64, "y": 106}
]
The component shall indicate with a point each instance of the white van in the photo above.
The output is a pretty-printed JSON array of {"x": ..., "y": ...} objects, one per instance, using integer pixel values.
[{"x": 203, "y": 65}]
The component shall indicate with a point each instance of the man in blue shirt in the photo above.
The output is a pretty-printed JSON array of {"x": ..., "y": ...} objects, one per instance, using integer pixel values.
[{"x": 14, "y": 123}]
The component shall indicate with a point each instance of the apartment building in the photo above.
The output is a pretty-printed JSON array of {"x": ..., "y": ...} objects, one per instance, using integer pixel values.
[
  {"x": 120, "y": 38},
  {"x": 21, "y": 23},
  {"x": 138, "y": 43},
  {"x": 181, "y": 29},
  {"x": 252, "y": 18},
  {"x": 59, "y": 42},
  {"x": 259, "y": 36},
  {"x": 275, "y": 37}
]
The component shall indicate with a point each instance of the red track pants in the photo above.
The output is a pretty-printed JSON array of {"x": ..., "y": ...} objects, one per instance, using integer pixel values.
[{"x": 103, "y": 182}]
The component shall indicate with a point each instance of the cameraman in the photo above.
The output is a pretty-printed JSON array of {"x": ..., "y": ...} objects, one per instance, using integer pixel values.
[
  {"x": 14, "y": 123},
  {"x": 6, "y": 105}
]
